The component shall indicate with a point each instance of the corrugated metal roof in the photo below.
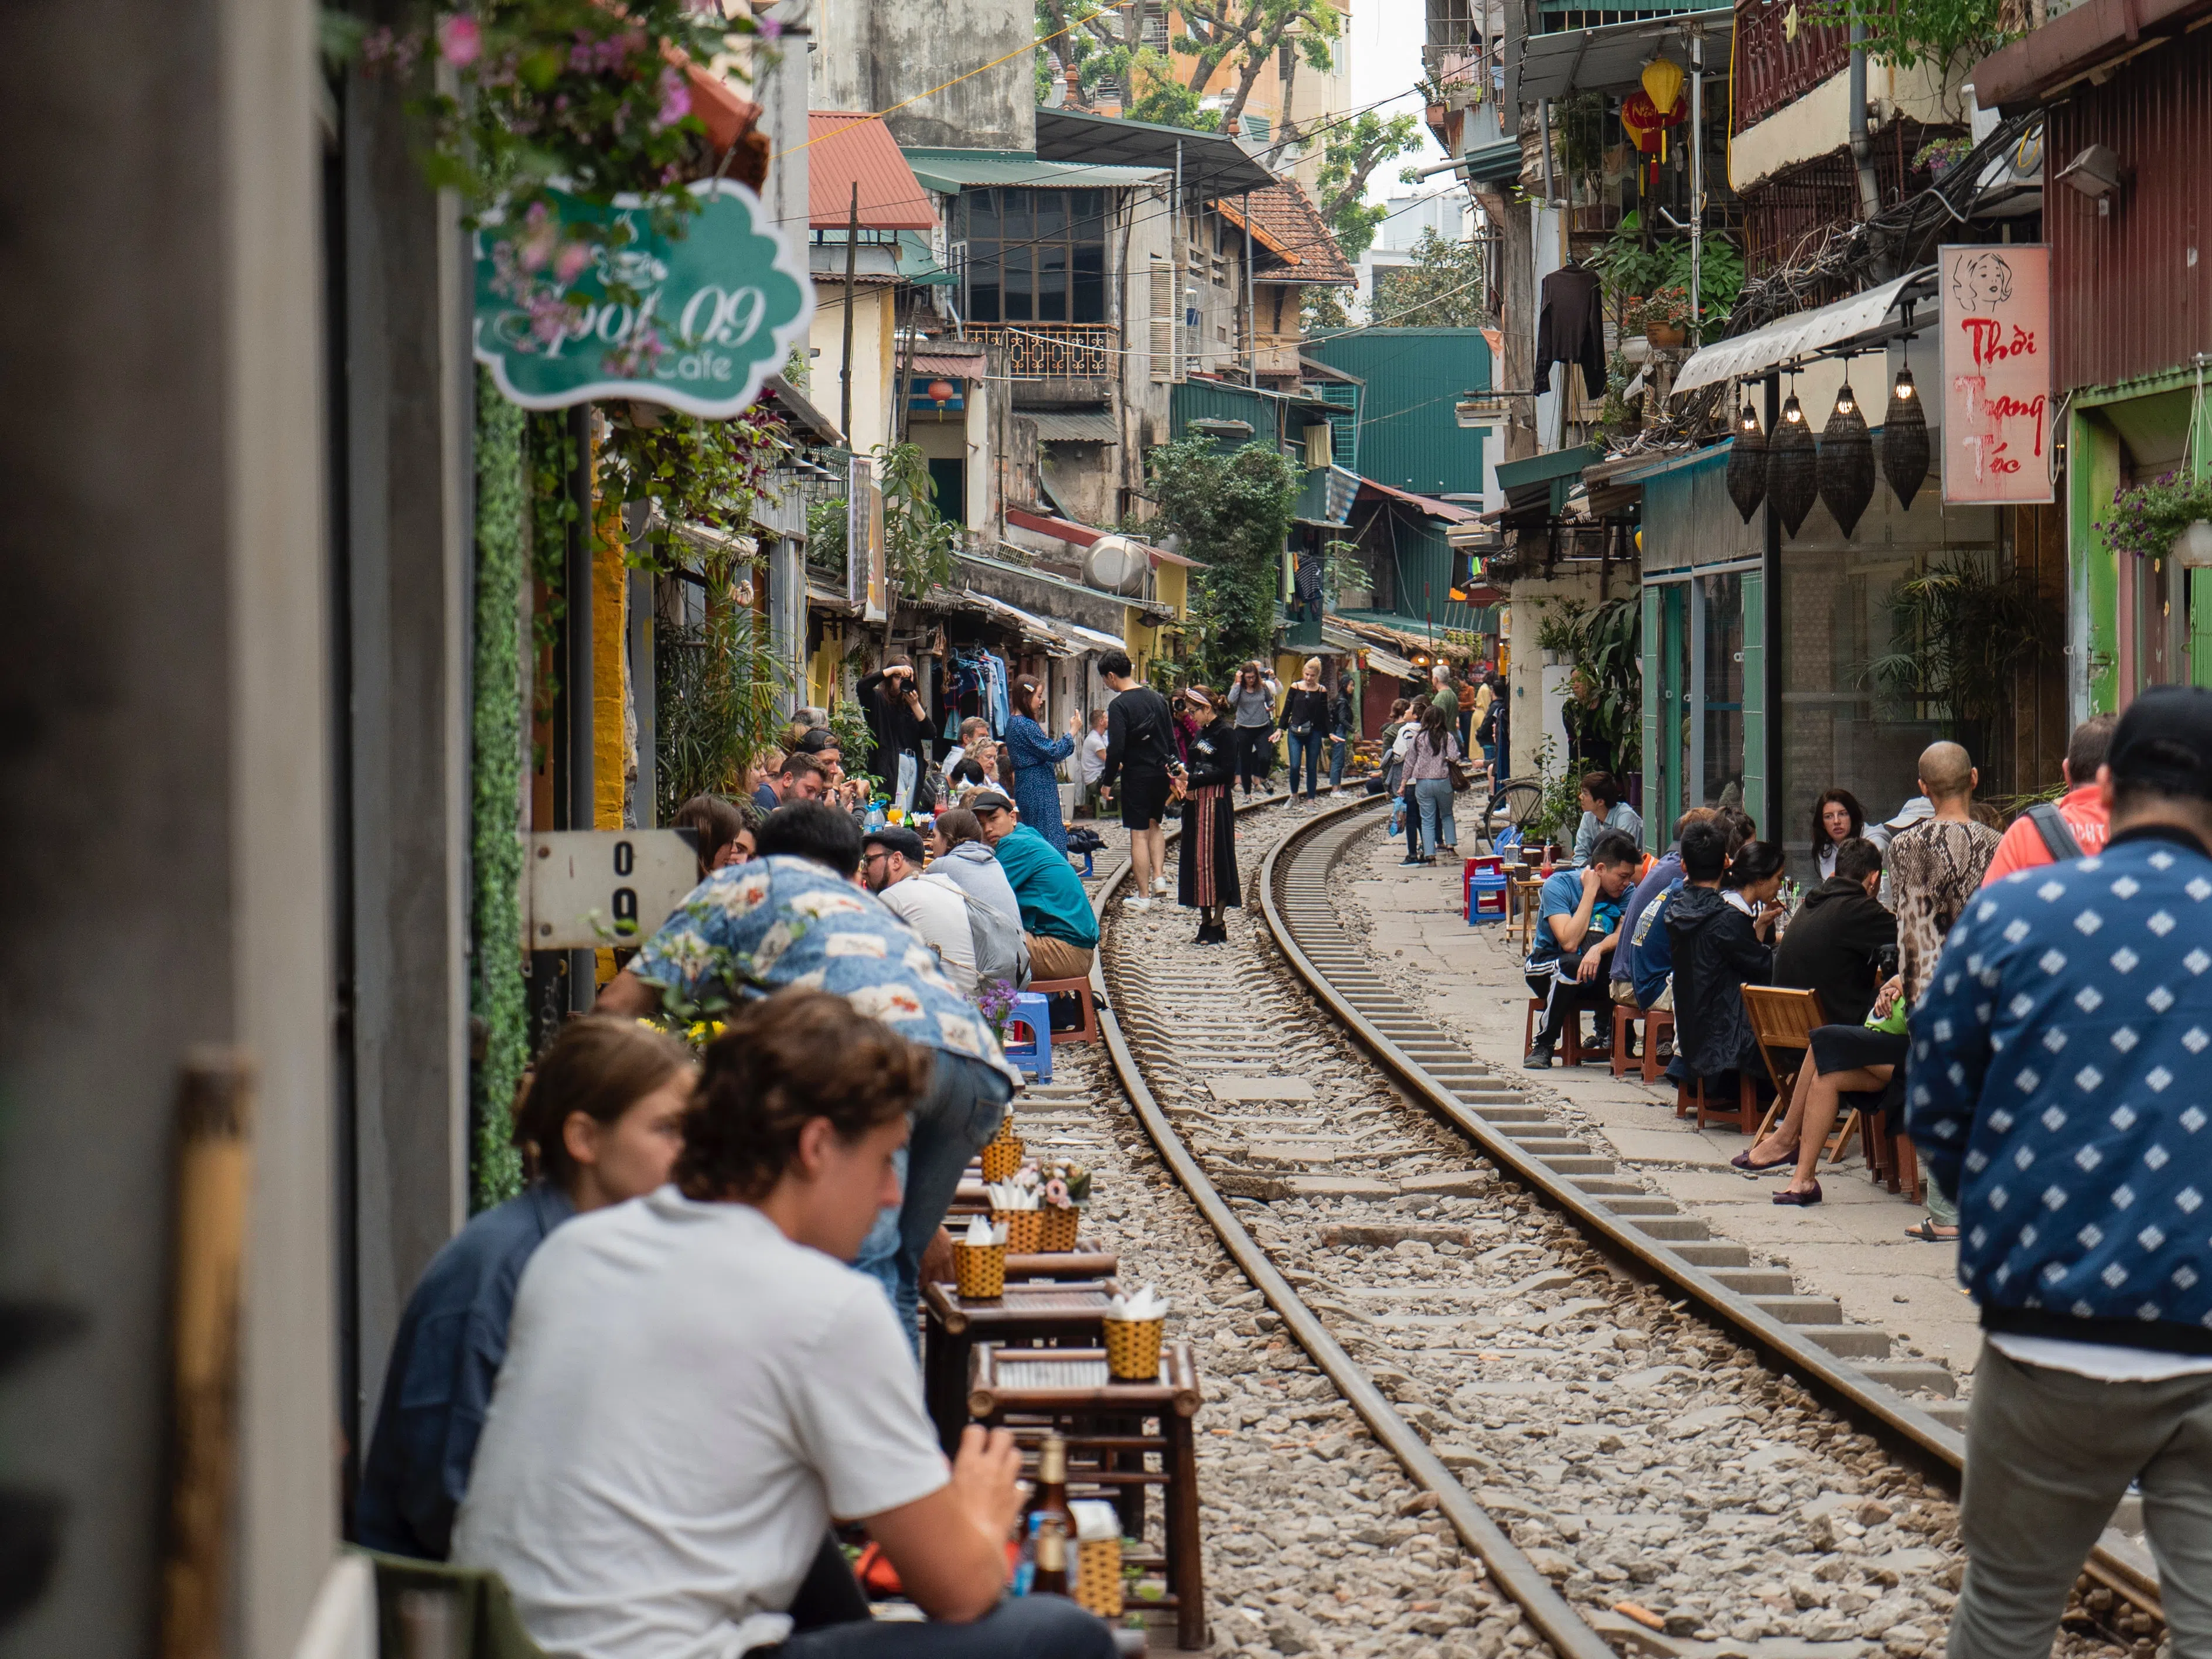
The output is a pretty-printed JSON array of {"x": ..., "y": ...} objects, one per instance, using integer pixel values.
[
  {"x": 1062, "y": 427},
  {"x": 844, "y": 150},
  {"x": 1433, "y": 508},
  {"x": 1409, "y": 435},
  {"x": 952, "y": 171},
  {"x": 2130, "y": 294},
  {"x": 1213, "y": 164}
]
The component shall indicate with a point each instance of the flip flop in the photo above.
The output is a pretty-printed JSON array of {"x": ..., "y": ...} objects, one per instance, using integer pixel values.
[
  {"x": 1926, "y": 1233},
  {"x": 1801, "y": 1200}
]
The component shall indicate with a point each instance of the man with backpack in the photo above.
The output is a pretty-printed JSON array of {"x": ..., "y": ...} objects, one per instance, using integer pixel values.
[{"x": 2074, "y": 825}]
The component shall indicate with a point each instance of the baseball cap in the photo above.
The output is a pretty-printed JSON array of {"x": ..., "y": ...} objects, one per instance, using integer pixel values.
[
  {"x": 895, "y": 838},
  {"x": 989, "y": 800},
  {"x": 2163, "y": 743}
]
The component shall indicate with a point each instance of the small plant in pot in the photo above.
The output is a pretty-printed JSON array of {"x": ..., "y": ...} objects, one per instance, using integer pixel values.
[
  {"x": 1664, "y": 318},
  {"x": 1939, "y": 156},
  {"x": 2169, "y": 515}
]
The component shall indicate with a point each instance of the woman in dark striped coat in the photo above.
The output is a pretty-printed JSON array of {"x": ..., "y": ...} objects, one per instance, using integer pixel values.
[{"x": 1205, "y": 872}]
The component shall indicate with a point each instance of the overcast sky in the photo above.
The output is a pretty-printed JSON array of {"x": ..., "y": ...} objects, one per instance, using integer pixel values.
[{"x": 1386, "y": 39}]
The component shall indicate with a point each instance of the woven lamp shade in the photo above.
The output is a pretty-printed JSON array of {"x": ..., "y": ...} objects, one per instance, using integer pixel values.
[
  {"x": 1904, "y": 453},
  {"x": 1846, "y": 465},
  {"x": 1747, "y": 466},
  {"x": 1792, "y": 468}
]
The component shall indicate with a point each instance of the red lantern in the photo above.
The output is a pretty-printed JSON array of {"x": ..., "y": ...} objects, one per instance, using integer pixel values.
[
  {"x": 942, "y": 392},
  {"x": 1647, "y": 128}
]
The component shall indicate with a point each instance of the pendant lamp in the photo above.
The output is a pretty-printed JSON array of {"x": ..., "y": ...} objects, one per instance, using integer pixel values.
[
  {"x": 1846, "y": 464},
  {"x": 1747, "y": 466},
  {"x": 1663, "y": 81},
  {"x": 1904, "y": 440},
  {"x": 1791, "y": 465}
]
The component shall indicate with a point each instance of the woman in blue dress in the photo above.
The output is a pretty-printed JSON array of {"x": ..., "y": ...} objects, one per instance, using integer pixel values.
[{"x": 1036, "y": 759}]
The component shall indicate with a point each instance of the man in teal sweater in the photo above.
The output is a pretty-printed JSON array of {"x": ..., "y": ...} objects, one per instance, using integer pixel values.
[{"x": 1056, "y": 915}]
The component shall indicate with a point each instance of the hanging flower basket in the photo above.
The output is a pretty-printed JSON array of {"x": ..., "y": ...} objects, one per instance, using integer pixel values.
[{"x": 2147, "y": 520}]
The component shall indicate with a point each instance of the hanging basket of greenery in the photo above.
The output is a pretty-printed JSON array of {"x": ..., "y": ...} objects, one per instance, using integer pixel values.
[
  {"x": 1747, "y": 466},
  {"x": 1792, "y": 468},
  {"x": 1905, "y": 453},
  {"x": 1846, "y": 465},
  {"x": 2147, "y": 520}
]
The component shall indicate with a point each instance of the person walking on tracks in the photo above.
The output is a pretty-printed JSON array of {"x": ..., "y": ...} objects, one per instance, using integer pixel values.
[
  {"x": 1205, "y": 874},
  {"x": 2057, "y": 1087}
]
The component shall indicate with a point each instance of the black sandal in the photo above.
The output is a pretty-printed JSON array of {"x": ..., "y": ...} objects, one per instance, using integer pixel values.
[{"x": 1926, "y": 1233}]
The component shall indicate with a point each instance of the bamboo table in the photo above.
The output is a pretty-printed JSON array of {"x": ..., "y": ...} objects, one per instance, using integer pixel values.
[{"x": 1053, "y": 1311}]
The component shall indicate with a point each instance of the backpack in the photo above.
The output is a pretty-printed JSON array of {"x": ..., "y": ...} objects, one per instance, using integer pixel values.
[
  {"x": 2058, "y": 836},
  {"x": 1002, "y": 953}
]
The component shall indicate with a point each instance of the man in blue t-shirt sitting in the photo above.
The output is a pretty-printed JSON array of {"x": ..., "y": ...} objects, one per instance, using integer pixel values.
[
  {"x": 1577, "y": 926},
  {"x": 1057, "y": 919}
]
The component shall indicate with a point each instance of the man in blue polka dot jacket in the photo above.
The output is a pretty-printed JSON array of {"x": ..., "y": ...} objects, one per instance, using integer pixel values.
[{"x": 2060, "y": 1085}]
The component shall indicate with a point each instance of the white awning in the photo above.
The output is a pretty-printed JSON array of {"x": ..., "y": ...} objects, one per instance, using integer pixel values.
[
  {"x": 1380, "y": 661},
  {"x": 1792, "y": 338},
  {"x": 1056, "y": 637}
]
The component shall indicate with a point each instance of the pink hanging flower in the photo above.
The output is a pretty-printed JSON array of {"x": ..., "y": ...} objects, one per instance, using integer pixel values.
[
  {"x": 460, "y": 41},
  {"x": 570, "y": 264},
  {"x": 540, "y": 237},
  {"x": 1055, "y": 1193},
  {"x": 675, "y": 98}
]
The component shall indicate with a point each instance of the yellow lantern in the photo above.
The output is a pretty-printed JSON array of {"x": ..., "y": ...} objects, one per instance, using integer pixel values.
[{"x": 1662, "y": 84}]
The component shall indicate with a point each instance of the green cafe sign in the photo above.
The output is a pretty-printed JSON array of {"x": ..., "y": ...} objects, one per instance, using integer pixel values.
[{"x": 577, "y": 301}]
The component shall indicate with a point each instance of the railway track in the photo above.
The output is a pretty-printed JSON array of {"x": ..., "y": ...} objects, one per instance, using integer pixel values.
[{"x": 1645, "y": 1439}]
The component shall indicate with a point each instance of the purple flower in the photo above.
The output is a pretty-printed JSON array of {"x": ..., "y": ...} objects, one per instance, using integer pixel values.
[{"x": 675, "y": 98}]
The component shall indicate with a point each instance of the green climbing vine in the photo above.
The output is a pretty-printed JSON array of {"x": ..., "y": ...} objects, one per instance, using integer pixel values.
[{"x": 497, "y": 999}]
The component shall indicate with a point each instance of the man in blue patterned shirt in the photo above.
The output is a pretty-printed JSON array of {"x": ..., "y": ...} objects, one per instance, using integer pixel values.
[
  {"x": 2059, "y": 1088},
  {"x": 795, "y": 916}
]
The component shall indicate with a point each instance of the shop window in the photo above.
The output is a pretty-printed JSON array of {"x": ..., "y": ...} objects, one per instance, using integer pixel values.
[
  {"x": 1036, "y": 255},
  {"x": 1721, "y": 765}
]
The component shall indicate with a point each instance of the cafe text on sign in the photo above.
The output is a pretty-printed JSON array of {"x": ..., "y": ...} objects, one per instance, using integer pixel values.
[
  {"x": 577, "y": 300},
  {"x": 1996, "y": 373}
]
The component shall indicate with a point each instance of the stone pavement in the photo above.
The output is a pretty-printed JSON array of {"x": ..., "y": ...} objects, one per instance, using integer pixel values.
[{"x": 1852, "y": 1247}]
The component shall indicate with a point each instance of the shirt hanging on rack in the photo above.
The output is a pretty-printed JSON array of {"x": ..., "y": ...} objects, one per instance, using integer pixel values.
[{"x": 1570, "y": 329}]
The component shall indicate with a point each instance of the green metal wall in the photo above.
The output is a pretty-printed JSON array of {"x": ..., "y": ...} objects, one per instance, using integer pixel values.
[
  {"x": 1211, "y": 400},
  {"x": 1408, "y": 436}
]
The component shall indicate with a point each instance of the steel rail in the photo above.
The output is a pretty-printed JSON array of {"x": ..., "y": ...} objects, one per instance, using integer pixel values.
[
  {"x": 1895, "y": 1421},
  {"x": 1510, "y": 1571}
]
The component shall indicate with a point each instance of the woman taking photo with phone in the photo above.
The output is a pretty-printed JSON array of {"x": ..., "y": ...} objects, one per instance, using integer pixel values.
[{"x": 1037, "y": 760}]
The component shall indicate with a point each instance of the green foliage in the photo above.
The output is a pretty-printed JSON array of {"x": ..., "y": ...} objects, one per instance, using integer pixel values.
[
  {"x": 1559, "y": 811},
  {"x": 848, "y": 722},
  {"x": 918, "y": 545},
  {"x": 1604, "y": 644},
  {"x": 1945, "y": 36},
  {"x": 550, "y": 456},
  {"x": 1440, "y": 289},
  {"x": 498, "y": 1002},
  {"x": 543, "y": 89},
  {"x": 700, "y": 472},
  {"x": 2146, "y": 519},
  {"x": 1321, "y": 308},
  {"x": 1959, "y": 632},
  {"x": 1631, "y": 269},
  {"x": 1234, "y": 512},
  {"x": 1341, "y": 569},
  {"x": 1351, "y": 152},
  {"x": 1581, "y": 127}
]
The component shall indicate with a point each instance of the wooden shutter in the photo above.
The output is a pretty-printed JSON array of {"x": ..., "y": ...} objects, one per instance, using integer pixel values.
[
  {"x": 1161, "y": 309},
  {"x": 1758, "y": 787},
  {"x": 1657, "y": 813}
]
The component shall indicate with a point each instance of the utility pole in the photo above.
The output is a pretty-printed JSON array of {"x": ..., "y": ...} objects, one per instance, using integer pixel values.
[{"x": 845, "y": 370}]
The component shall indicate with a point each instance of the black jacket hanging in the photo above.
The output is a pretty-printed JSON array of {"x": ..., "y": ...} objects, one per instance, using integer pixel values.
[{"x": 1570, "y": 329}]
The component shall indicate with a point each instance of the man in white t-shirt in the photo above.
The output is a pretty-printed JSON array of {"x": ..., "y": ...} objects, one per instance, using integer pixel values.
[
  {"x": 934, "y": 907},
  {"x": 696, "y": 1384},
  {"x": 1094, "y": 750}
]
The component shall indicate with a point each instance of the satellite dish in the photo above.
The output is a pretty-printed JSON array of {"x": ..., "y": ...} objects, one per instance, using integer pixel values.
[{"x": 1117, "y": 565}]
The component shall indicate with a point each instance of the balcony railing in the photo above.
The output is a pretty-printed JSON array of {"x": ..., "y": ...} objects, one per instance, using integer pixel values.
[
  {"x": 1772, "y": 70},
  {"x": 1057, "y": 351}
]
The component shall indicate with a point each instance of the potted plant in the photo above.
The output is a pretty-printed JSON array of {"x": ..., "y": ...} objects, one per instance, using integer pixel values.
[
  {"x": 1664, "y": 318},
  {"x": 2150, "y": 519},
  {"x": 1939, "y": 156}
]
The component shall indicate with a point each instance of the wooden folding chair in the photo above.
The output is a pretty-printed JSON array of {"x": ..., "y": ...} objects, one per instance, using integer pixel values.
[{"x": 1782, "y": 1021}]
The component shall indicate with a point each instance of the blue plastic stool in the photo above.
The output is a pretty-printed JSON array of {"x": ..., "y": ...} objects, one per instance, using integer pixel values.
[{"x": 1032, "y": 1014}]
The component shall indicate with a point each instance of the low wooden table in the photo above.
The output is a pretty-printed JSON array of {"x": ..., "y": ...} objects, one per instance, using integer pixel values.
[
  {"x": 1036, "y": 1390},
  {"x": 1055, "y": 1311}
]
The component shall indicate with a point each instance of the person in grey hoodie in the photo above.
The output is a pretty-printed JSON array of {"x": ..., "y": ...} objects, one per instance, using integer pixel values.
[{"x": 958, "y": 851}]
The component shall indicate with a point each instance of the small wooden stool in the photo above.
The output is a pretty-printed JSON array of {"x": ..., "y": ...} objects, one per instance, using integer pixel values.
[
  {"x": 1692, "y": 1094},
  {"x": 1623, "y": 1017},
  {"x": 1033, "y": 1390},
  {"x": 1054, "y": 1312},
  {"x": 1080, "y": 988},
  {"x": 1656, "y": 1022}
]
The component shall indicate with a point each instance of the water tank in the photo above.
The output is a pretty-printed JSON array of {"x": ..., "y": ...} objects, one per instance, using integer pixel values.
[{"x": 1117, "y": 565}]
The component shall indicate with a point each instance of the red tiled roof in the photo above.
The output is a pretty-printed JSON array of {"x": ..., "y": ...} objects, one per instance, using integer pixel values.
[
  {"x": 1286, "y": 222},
  {"x": 842, "y": 150}
]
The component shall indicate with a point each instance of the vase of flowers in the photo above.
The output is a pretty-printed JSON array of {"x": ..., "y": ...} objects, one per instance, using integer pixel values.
[
  {"x": 1663, "y": 317},
  {"x": 1066, "y": 1186}
]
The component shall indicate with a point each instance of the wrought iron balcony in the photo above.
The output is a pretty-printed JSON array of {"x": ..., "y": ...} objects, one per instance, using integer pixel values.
[{"x": 1056, "y": 351}]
